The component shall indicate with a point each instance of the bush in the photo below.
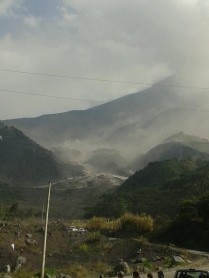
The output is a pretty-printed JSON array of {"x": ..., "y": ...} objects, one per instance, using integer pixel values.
[
  {"x": 83, "y": 247},
  {"x": 102, "y": 224},
  {"x": 96, "y": 223},
  {"x": 136, "y": 223}
]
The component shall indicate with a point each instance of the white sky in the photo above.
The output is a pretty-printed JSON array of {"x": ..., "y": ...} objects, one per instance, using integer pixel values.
[{"x": 128, "y": 40}]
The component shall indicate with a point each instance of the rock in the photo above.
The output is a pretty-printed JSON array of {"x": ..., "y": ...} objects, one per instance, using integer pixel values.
[
  {"x": 30, "y": 241},
  {"x": 8, "y": 268},
  {"x": 61, "y": 275},
  {"x": 29, "y": 235},
  {"x": 48, "y": 276},
  {"x": 20, "y": 261},
  {"x": 5, "y": 269},
  {"x": 112, "y": 238},
  {"x": 140, "y": 260},
  {"x": 34, "y": 242},
  {"x": 122, "y": 266},
  {"x": 178, "y": 259},
  {"x": 156, "y": 259}
]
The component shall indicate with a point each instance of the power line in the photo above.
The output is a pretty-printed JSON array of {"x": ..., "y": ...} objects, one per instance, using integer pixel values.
[
  {"x": 91, "y": 100},
  {"x": 49, "y": 96},
  {"x": 95, "y": 79},
  {"x": 75, "y": 77},
  {"x": 103, "y": 80}
]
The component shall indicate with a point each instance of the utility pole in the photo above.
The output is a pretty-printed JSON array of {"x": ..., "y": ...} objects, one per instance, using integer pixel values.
[{"x": 45, "y": 232}]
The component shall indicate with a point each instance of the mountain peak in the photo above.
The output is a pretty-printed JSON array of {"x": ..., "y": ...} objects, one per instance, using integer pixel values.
[{"x": 182, "y": 137}]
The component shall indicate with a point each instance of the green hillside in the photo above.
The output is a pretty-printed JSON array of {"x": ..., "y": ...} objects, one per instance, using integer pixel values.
[
  {"x": 157, "y": 189},
  {"x": 156, "y": 174},
  {"x": 22, "y": 160}
]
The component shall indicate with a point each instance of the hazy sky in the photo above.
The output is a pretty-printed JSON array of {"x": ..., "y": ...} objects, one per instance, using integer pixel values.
[{"x": 126, "y": 40}]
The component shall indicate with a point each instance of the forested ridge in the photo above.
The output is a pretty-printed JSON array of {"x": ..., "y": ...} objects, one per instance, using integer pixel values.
[
  {"x": 174, "y": 192},
  {"x": 23, "y": 160}
]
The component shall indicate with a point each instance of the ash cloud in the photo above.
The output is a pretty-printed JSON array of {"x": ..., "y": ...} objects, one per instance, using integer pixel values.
[{"x": 140, "y": 41}]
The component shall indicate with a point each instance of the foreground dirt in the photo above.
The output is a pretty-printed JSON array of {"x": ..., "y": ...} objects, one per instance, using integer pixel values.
[{"x": 86, "y": 249}]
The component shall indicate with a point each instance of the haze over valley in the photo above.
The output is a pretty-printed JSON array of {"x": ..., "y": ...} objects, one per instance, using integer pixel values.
[
  {"x": 108, "y": 137},
  {"x": 101, "y": 84},
  {"x": 113, "y": 140}
]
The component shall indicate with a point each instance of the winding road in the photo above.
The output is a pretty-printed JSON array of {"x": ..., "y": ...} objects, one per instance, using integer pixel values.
[{"x": 170, "y": 272}]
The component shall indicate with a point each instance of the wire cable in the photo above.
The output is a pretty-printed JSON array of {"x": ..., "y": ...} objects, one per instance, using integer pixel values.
[
  {"x": 97, "y": 101},
  {"x": 74, "y": 77},
  {"x": 103, "y": 80},
  {"x": 49, "y": 96}
]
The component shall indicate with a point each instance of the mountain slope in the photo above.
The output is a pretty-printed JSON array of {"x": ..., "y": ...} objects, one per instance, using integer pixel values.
[
  {"x": 179, "y": 146},
  {"x": 157, "y": 174},
  {"x": 100, "y": 121},
  {"x": 131, "y": 125},
  {"x": 22, "y": 160}
]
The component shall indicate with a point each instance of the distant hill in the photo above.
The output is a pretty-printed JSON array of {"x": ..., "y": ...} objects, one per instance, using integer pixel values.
[
  {"x": 22, "y": 160},
  {"x": 111, "y": 122},
  {"x": 179, "y": 146},
  {"x": 157, "y": 174},
  {"x": 192, "y": 141},
  {"x": 157, "y": 189},
  {"x": 130, "y": 125}
]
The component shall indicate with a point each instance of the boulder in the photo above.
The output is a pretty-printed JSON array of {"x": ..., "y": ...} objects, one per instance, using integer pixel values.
[
  {"x": 178, "y": 259},
  {"x": 122, "y": 266},
  {"x": 29, "y": 235},
  {"x": 20, "y": 261}
]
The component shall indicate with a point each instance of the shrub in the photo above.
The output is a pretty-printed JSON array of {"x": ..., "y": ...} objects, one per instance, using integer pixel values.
[
  {"x": 96, "y": 223},
  {"x": 136, "y": 223},
  {"x": 102, "y": 223},
  {"x": 83, "y": 247}
]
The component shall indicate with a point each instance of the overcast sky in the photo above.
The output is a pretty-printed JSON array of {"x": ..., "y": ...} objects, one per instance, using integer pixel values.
[{"x": 141, "y": 41}]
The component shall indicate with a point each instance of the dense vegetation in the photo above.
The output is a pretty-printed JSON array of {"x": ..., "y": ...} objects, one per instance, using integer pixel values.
[
  {"x": 190, "y": 228},
  {"x": 128, "y": 224},
  {"x": 156, "y": 189},
  {"x": 177, "y": 190},
  {"x": 22, "y": 160}
]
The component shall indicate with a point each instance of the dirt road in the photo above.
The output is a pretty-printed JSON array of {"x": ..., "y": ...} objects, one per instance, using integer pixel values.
[
  {"x": 202, "y": 264},
  {"x": 170, "y": 273}
]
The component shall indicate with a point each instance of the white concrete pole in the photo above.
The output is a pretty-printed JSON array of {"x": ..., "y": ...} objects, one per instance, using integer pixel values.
[{"x": 45, "y": 232}]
